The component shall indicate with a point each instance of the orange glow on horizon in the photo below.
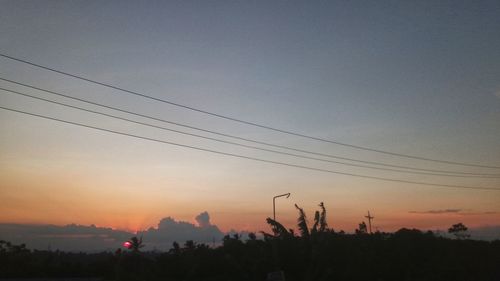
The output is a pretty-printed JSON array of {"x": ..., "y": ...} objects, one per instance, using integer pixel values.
[
  {"x": 43, "y": 198},
  {"x": 227, "y": 223}
]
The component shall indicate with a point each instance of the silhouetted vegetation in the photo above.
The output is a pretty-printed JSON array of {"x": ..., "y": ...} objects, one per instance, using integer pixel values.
[
  {"x": 134, "y": 244},
  {"x": 314, "y": 252},
  {"x": 459, "y": 230}
]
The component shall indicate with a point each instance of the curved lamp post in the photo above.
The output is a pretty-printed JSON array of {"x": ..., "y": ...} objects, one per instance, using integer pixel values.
[{"x": 274, "y": 203}]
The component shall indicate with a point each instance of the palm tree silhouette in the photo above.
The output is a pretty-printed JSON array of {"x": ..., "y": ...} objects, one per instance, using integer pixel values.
[
  {"x": 320, "y": 225},
  {"x": 134, "y": 244}
]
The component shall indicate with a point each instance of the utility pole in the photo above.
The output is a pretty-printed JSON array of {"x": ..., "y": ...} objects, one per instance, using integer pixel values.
[
  {"x": 274, "y": 203},
  {"x": 369, "y": 217}
]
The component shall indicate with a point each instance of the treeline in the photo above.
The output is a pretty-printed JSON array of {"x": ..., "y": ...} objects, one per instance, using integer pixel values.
[
  {"x": 404, "y": 255},
  {"x": 313, "y": 253}
]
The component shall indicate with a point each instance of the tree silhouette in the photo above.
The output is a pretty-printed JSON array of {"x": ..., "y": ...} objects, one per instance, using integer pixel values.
[
  {"x": 407, "y": 254},
  {"x": 362, "y": 229},
  {"x": 279, "y": 231},
  {"x": 323, "y": 226},
  {"x": 303, "y": 251},
  {"x": 320, "y": 224},
  {"x": 189, "y": 245},
  {"x": 302, "y": 223},
  {"x": 176, "y": 248},
  {"x": 459, "y": 230},
  {"x": 134, "y": 244},
  {"x": 252, "y": 236}
]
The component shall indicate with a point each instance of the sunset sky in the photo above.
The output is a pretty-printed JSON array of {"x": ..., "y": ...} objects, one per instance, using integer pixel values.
[{"x": 411, "y": 77}]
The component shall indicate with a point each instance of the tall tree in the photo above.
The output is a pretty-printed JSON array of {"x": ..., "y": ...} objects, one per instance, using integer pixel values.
[
  {"x": 459, "y": 230},
  {"x": 322, "y": 219},
  {"x": 362, "y": 229},
  {"x": 302, "y": 223},
  {"x": 134, "y": 244},
  {"x": 279, "y": 230}
]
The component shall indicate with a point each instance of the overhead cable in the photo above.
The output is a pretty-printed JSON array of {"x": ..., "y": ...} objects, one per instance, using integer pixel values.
[
  {"x": 247, "y": 122},
  {"x": 249, "y": 157},
  {"x": 239, "y": 144},
  {"x": 252, "y": 140}
]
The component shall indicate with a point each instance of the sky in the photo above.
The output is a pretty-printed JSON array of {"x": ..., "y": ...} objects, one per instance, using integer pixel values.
[{"x": 415, "y": 77}]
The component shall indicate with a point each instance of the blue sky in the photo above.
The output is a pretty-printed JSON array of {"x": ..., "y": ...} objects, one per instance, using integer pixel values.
[{"x": 420, "y": 78}]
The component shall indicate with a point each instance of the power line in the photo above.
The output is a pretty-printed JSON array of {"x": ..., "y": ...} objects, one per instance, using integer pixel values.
[
  {"x": 249, "y": 157},
  {"x": 246, "y": 122},
  {"x": 238, "y": 144},
  {"x": 247, "y": 139}
]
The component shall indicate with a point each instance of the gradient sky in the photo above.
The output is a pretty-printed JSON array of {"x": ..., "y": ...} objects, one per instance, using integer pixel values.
[{"x": 419, "y": 78}]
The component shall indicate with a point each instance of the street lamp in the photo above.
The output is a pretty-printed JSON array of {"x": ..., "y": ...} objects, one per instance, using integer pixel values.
[{"x": 274, "y": 203}]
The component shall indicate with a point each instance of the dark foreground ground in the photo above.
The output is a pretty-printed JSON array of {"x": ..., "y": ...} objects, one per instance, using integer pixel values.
[
  {"x": 318, "y": 255},
  {"x": 50, "y": 279}
]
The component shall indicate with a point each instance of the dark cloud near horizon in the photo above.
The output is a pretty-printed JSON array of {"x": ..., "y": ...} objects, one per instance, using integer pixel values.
[
  {"x": 203, "y": 219},
  {"x": 92, "y": 239},
  {"x": 445, "y": 211},
  {"x": 169, "y": 230},
  {"x": 78, "y": 238},
  {"x": 453, "y": 211},
  {"x": 478, "y": 213},
  {"x": 68, "y": 238},
  {"x": 488, "y": 233}
]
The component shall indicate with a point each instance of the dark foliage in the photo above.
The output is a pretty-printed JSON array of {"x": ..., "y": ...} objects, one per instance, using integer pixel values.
[
  {"x": 459, "y": 230},
  {"x": 318, "y": 253}
]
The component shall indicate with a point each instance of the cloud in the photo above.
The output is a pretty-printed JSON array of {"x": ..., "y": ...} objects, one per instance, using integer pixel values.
[
  {"x": 478, "y": 213},
  {"x": 170, "y": 230},
  {"x": 68, "y": 238},
  {"x": 203, "y": 219},
  {"x": 454, "y": 211},
  {"x": 77, "y": 238},
  {"x": 437, "y": 212},
  {"x": 497, "y": 93},
  {"x": 485, "y": 232}
]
